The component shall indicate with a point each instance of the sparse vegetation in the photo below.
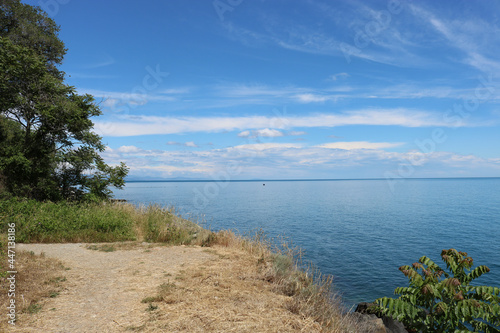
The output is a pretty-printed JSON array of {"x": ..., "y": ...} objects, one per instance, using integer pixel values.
[
  {"x": 311, "y": 293},
  {"x": 38, "y": 279},
  {"x": 103, "y": 248}
]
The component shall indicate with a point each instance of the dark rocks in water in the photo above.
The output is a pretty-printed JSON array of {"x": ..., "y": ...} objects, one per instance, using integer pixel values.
[
  {"x": 117, "y": 200},
  {"x": 373, "y": 318},
  {"x": 369, "y": 323}
]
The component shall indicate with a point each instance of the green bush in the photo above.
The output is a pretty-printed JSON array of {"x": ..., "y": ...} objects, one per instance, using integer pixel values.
[
  {"x": 49, "y": 222},
  {"x": 439, "y": 301}
]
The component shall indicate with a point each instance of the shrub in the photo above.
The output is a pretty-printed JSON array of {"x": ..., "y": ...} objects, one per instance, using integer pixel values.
[{"x": 438, "y": 301}]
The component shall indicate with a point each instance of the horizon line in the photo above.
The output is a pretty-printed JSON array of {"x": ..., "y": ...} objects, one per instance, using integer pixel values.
[{"x": 166, "y": 180}]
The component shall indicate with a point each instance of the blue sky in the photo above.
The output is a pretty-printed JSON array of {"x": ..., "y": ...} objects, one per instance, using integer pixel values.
[{"x": 240, "y": 89}]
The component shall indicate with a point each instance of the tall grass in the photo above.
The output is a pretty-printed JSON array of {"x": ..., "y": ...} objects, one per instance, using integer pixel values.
[
  {"x": 66, "y": 222},
  {"x": 61, "y": 222}
]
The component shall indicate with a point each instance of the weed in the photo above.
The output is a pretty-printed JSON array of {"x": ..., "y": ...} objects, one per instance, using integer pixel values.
[
  {"x": 33, "y": 308},
  {"x": 152, "y": 299},
  {"x": 103, "y": 248},
  {"x": 166, "y": 288},
  {"x": 151, "y": 307},
  {"x": 56, "y": 280}
]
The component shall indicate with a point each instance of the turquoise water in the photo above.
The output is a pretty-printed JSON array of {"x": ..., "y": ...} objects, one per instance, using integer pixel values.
[{"x": 359, "y": 231}]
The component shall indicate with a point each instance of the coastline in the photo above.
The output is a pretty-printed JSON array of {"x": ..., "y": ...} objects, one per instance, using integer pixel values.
[{"x": 303, "y": 299}]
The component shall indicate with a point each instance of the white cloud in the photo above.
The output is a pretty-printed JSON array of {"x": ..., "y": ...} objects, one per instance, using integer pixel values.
[
  {"x": 292, "y": 160},
  {"x": 146, "y": 125},
  {"x": 308, "y": 98},
  {"x": 360, "y": 145},
  {"x": 244, "y": 134},
  {"x": 267, "y": 146},
  {"x": 129, "y": 149},
  {"x": 261, "y": 133},
  {"x": 110, "y": 102},
  {"x": 128, "y": 97}
]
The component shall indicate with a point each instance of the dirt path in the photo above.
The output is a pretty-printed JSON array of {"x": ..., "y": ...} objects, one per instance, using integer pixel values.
[{"x": 104, "y": 290}]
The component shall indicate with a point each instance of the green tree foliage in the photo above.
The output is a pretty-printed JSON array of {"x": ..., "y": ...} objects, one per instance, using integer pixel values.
[
  {"x": 47, "y": 147},
  {"x": 440, "y": 301},
  {"x": 30, "y": 27}
]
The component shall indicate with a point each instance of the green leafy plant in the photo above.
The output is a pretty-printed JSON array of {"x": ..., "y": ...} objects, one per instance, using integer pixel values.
[
  {"x": 48, "y": 150},
  {"x": 440, "y": 301}
]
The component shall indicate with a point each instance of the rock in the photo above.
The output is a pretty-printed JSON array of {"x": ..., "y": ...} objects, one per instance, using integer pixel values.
[
  {"x": 117, "y": 200},
  {"x": 393, "y": 326},
  {"x": 369, "y": 323},
  {"x": 390, "y": 325}
]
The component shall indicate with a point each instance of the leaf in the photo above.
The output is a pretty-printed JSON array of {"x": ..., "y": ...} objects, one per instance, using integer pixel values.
[
  {"x": 404, "y": 290},
  {"x": 426, "y": 261},
  {"x": 477, "y": 272}
]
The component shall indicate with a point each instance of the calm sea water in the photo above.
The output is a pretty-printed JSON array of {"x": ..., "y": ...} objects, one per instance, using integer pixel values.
[{"x": 359, "y": 231}]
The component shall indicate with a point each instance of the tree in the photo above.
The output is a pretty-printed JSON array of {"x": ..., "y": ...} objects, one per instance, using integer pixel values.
[
  {"x": 48, "y": 149},
  {"x": 438, "y": 301},
  {"x": 30, "y": 27}
]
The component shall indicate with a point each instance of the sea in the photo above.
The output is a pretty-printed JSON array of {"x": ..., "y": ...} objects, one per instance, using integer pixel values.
[{"x": 358, "y": 231}]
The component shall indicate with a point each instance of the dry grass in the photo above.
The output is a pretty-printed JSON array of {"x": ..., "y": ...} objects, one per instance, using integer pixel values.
[
  {"x": 248, "y": 288},
  {"x": 157, "y": 224},
  {"x": 39, "y": 278}
]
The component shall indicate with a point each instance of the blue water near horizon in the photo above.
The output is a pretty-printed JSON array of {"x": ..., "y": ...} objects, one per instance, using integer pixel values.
[{"x": 359, "y": 231}]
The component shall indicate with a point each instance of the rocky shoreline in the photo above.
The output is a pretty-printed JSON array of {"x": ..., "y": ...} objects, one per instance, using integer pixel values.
[{"x": 377, "y": 322}]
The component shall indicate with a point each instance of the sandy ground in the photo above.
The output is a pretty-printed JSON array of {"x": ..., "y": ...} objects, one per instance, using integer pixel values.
[{"x": 104, "y": 290}]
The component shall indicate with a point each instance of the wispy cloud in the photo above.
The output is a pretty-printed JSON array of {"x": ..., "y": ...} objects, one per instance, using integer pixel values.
[
  {"x": 407, "y": 90},
  {"x": 476, "y": 39},
  {"x": 338, "y": 76},
  {"x": 313, "y": 98},
  {"x": 77, "y": 75},
  {"x": 184, "y": 144},
  {"x": 146, "y": 125},
  {"x": 128, "y": 96},
  {"x": 266, "y": 146},
  {"x": 297, "y": 133},
  {"x": 360, "y": 145},
  {"x": 105, "y": 60}
]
